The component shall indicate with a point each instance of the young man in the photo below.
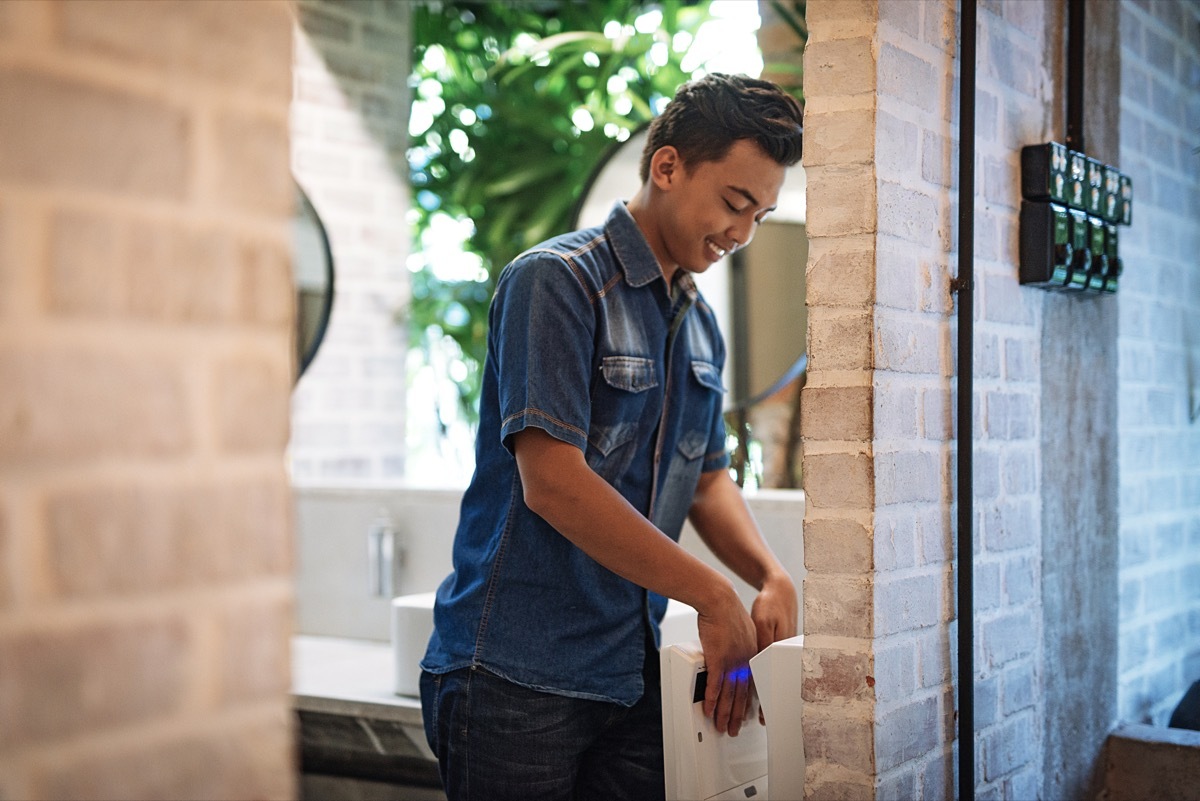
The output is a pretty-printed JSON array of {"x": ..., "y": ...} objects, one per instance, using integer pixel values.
[{"x": 600, "y": 432}]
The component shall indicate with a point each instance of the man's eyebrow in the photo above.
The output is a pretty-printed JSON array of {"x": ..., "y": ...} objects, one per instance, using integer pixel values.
[{"x": 746, "y": 194}]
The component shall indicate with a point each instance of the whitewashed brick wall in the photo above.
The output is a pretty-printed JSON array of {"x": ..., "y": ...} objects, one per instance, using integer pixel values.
[
  {"x": 349, "y": 128},
  {"x": 1015, "y": 103},
  {"x": 145, "y": 371},
  {"x": 1159, "y": 362},
  {"x": 914, "y": 596}
]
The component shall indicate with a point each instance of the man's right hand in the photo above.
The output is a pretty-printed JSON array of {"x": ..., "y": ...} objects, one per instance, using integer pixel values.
[{"x": 728, "y": 638}]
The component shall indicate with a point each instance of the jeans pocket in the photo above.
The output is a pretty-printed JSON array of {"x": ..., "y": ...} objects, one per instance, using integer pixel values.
[{"x": 431, "y": 686}]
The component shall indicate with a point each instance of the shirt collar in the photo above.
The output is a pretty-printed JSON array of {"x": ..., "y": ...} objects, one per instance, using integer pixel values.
[{"x": 633, "y": 251}]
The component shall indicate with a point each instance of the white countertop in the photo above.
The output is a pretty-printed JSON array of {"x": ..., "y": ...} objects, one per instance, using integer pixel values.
[{"x": 349, "y": 677}]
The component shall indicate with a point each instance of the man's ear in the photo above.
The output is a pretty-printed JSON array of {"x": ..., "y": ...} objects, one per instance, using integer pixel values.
[{"x": 665, "y": 167}]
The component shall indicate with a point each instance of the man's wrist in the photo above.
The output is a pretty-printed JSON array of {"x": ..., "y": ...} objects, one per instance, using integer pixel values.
[
  {"x": 717, "y": 595},
  {"x": 777, "y": 577}
]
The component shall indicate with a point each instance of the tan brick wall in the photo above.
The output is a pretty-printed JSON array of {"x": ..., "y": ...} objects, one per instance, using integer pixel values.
[
  {"x": 146, "y": 367},
  {"x": 837, "y": 408},
  {"x": 879, "y": 716}
]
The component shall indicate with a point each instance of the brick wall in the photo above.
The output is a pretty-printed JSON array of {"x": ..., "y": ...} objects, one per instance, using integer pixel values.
[
  {"x": 914, "y": 599},
  {"x": 878, "y": 423},
  {"x": 349, "y": 129},
  {"x": 1159, "y": 361},
  {"x": 881, "y": 156},
  {"x": 836, "y": 409},
  {"x": 145, "y": 341}
]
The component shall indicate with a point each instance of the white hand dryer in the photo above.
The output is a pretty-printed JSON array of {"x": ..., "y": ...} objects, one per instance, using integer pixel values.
[{"x": 760, "y": 763}]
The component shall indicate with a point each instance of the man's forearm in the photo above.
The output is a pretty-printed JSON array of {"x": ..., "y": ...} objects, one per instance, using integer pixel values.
[
  {"x": 567, "y": 494},
  {"x": 723, "y": 520},
  {"x": 561, "y": 488}
]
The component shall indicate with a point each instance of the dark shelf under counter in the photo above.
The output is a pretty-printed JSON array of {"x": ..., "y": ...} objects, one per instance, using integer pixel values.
[{"x": 358, "y": 740}]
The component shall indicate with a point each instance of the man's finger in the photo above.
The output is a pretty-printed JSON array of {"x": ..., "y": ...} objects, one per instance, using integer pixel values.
[
  {"x": 741, "y": 697},
  {"x": 712, "y": 692},
  {"x": 765, "y": 631}
]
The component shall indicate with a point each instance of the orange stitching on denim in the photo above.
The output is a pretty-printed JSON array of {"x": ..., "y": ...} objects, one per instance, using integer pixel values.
[
  {"x": 539, "y": 413},
  {"x": 569, "y": 258}
]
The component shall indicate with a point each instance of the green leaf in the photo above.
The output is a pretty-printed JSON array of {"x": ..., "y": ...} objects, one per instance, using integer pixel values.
[{"x": 530, "y": 164}]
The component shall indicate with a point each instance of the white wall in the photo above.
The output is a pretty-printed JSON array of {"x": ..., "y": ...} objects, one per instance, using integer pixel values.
[
  {"x": 349, "y": 129},
  {"x": 332, "y": 595}
]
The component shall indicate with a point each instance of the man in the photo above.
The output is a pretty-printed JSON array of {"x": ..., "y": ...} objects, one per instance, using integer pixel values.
[{"x": 600, "y": 432}]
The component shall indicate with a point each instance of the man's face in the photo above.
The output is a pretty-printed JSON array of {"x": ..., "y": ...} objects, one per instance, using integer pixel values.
[{"x": 714, "y": 207}]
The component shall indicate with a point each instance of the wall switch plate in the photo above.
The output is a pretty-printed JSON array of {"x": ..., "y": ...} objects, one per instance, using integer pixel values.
[{"x": 1070, "y": 209}]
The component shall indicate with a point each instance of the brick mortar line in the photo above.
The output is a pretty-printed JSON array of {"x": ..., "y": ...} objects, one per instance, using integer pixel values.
[
  {"x": 355, "y": 50},
  {"x": 839, "y": 644},
  {"x": 1154, "y": 568},
  {"x": 1147, "y": 113},
  {"x": 892, "y": 379},
  {"x": 211, "y": 342},
  {"x": 821, "y": 447},
  {"x": 942, "y": 59},
  {"x": 927, "y": 318},
  {"x": 59, "y": 615},
  {"x": 895, "y": 575},
  {"x": 933, "y": 692},
  {"x": 863, "y": 101},
  {"x": 1150, "y": 20},
  {"x": 173, "y": 86},
  {"x": 1150, "y": 620},
  {"x": 864, "y": 519},
  {"x": 163, "y": 474},
  {"x": 985, "y": 326},
  {"x": 119, "y": 739},
  {"x": 893, "y": 511},
  {"x": 923, "y": 120},
  {"x": 187, "y": 214},
  {"x": 839, "y": 379}
]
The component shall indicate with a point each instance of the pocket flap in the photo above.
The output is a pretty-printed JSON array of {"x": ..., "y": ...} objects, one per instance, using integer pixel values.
[
  {"x": 630, "y": 373},
  {"x": 708, "y": 375},
  {"x": 693, "y": 444}
]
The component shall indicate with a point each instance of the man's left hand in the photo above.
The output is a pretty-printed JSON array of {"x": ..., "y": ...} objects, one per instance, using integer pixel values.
[{"x": 775, "y": 610}]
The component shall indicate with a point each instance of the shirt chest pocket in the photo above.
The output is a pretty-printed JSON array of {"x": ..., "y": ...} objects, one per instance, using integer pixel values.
[
  {"x": 622, "y": 400},
  {"x": 705, "y": 392}
]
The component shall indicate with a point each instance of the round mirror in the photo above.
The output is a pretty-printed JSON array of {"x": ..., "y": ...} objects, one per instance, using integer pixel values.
[{"x": 312, "y": 269}]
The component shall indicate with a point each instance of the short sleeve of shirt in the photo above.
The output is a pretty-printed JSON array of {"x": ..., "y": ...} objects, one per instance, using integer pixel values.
[
  {"x": 542, "y": 324},
  {"x": 716, "y": 456}
]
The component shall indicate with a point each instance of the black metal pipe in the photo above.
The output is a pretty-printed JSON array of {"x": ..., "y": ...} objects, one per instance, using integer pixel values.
[
  {"x": 966, "y": 438},
  {"x": 1075, "y": 75}
]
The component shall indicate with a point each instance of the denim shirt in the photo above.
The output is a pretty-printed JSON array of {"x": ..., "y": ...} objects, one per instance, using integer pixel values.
[{"x": 587, "y": 343}]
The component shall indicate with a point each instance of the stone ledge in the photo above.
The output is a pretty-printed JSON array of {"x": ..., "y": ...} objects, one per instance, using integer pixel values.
[{"x": 1156, "y": 762}]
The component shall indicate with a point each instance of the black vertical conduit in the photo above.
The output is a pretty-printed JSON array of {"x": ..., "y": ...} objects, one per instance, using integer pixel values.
[
  {"x": 966, "y": 439},
  {"x": 1075, "y": 75}
]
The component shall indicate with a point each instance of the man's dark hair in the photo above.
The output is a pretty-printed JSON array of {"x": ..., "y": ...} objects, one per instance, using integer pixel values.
[{"x": 711, "y": 113}]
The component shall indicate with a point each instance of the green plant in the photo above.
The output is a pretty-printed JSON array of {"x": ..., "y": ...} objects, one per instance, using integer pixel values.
[{"x": 515, "y": 105}]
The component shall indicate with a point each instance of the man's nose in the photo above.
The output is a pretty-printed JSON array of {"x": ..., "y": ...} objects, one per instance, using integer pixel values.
[{"x": 741, "y": 232}]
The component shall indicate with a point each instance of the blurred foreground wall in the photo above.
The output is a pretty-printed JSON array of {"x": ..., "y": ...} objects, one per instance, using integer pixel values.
[{"x": 145, "y": 373}]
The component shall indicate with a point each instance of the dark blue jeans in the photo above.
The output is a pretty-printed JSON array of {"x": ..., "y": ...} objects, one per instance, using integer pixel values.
[{"x": 496, "y": 740}]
